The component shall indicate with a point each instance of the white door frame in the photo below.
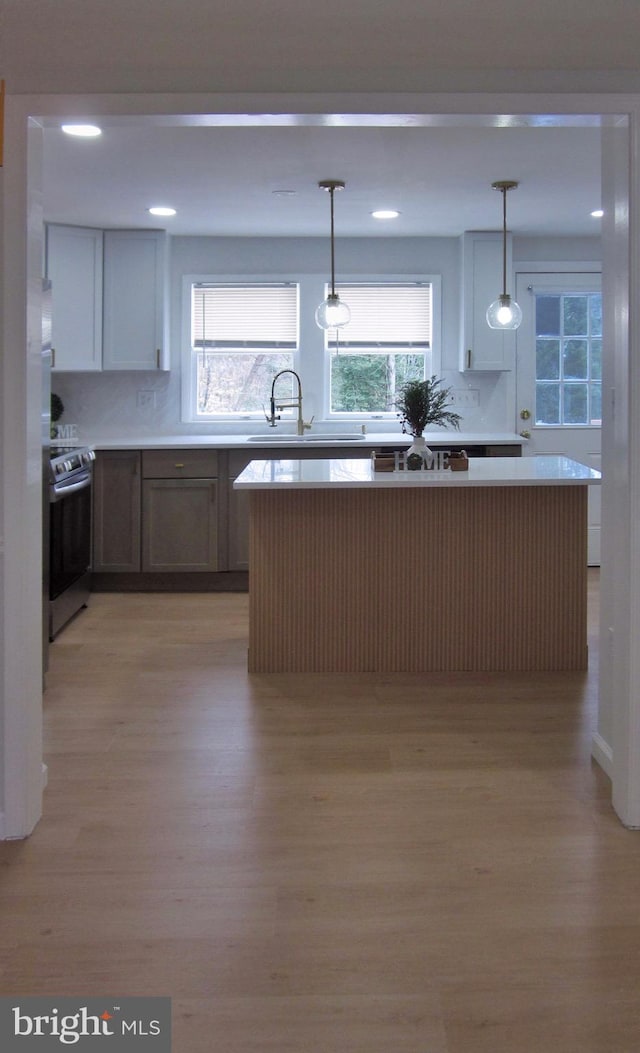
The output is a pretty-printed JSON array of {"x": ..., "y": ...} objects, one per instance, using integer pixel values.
[{"x": 20, "y": 273}]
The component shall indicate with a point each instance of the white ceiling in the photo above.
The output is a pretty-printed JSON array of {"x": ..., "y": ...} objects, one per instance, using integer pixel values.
[{"x": 222, "y": 174}]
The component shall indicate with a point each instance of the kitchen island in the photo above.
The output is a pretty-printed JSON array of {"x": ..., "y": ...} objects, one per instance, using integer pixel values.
[{"x": 354, "y": 570}]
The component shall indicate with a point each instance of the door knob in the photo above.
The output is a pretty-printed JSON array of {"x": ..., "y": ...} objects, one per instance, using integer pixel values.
[
  {"x": 525, "y": 414},
  {"x": 525, "y": 434}
]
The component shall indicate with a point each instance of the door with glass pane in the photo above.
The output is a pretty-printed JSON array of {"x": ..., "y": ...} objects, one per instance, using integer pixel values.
[{"x": 559, "y": 373}]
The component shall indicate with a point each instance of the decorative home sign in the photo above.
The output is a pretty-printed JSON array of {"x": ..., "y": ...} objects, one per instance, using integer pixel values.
[{"x": 402, "y": 461}]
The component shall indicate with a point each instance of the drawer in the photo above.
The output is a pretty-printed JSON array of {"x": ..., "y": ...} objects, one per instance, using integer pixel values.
[{"x": 179, "y": 464}]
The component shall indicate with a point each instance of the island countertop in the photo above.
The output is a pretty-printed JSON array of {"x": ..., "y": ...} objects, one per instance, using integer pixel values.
[{"x": 292, "y": 474}]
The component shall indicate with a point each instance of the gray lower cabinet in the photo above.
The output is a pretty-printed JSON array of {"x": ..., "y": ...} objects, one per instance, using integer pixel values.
[
  {"x": 155, "y": 511},
  {"x": 116, "y": 511},
  {"x": 180, "y": 510},
  {"x": 180, "y": 518},
  {"x": 170, "y": 510}
]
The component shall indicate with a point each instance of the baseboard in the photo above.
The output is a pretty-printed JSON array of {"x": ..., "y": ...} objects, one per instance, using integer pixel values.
[
  {"x": 201, "y": 581},
  {"x": 602, "y": 753}
]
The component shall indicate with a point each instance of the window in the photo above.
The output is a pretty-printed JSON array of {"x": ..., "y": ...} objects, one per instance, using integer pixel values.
[
  {"x": 388, "y": 341},
  {"x": 238, "y": 332},
  {"x": 241, "y": 335},
  {"x": 568, "y": 334}
]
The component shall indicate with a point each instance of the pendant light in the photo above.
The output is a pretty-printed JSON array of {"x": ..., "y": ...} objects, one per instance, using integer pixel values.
[
  {"x": 504, "y": 313},
  {"x": 332, "y": 313}
]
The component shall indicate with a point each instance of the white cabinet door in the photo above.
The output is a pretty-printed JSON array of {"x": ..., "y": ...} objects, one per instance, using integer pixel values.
[
  {"x": 74, "y": 267},
  {"x": 483, "y": 348},
  {"x": 135, "y": 300}
]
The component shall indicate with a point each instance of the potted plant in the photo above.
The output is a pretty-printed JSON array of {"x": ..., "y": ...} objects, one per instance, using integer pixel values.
[
  {"x": 57, "y": 409},
  {"x": 422, "y": 403}
]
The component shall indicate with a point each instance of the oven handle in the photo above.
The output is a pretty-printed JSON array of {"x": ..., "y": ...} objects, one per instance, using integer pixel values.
[{"x": 60, "y": 490}]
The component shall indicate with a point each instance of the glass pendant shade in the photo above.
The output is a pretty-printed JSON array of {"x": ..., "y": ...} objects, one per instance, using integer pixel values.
[
  {"x": 332, "y": 313},
  {"x": 504, "y": 313}
]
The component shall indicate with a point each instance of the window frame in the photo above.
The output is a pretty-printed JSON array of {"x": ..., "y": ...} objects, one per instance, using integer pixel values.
[{"x": 564, "y": 382}]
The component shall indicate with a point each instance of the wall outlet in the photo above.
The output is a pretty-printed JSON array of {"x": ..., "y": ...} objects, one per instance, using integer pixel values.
[
  {"x": 146, "y": 400},
  {"x": 464, "y": 398}
]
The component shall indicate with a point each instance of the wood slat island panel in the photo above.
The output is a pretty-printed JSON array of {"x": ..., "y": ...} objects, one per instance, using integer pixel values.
[{"x": 418, "y": 579}]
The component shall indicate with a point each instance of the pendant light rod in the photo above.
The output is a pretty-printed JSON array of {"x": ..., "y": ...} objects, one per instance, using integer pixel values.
[
  {"x": 503, "y": 185},
  {"x": 331, "y": 185},
  {"x": 332, "y": 313}
]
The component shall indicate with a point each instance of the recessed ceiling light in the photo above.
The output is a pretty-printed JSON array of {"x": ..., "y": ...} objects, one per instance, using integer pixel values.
[
  {"x": 83, "y": 131},
  {"x": 597, "y": 213},
  {"x": 161, "y": 210},
  {"x": 385, "y": 213}
]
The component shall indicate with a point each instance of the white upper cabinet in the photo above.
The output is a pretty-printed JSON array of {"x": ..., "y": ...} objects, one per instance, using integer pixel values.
[
  {"x": 135, "y": 299},
  {"x": 482, "y": 348},
  {"x": 109, "y": 298},
  {"x": 74, "y": 267}
]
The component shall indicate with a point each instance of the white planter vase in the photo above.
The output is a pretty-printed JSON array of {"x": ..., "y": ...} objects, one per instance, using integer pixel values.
[{"x": 420, "y": 448}]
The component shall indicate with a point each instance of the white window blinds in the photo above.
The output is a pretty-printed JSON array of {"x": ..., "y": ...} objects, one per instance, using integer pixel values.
[
  {"x": 237, "y": 316},
  {"x": 389, "y": 315}
]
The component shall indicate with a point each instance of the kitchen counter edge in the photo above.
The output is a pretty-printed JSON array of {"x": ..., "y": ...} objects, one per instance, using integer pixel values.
[{"x": 240, "y": 442}]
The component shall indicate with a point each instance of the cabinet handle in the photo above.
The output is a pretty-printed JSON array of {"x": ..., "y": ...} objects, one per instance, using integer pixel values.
[
  {"x": 53, "y": 358},
  {"x": 157, "y": 358},
  {"x": 179, "y": 465},
  {"x": 468, "y": 358}
]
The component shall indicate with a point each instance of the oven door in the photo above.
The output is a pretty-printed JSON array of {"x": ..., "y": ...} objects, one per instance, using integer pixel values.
[{"x": 70, "y": 533}]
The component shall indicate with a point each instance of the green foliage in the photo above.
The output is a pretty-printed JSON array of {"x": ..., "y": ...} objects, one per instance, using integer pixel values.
[
  {"x": 369, "y": 383},
  {"x": 57, "y": 408},
  {"x": 423, "y": 402},
  {"x": 359, "y": 384}
]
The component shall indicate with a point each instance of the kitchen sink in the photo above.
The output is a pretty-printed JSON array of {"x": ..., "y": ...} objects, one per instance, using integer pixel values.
[
  {"x": 297, "y": 439},
  {"x": 328, "y": 437},
  {"x": 274, "y": 438}
]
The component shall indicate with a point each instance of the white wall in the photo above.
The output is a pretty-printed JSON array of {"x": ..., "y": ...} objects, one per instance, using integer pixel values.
[
  {"x": 106, "y": 403},
  {"x": 132, "y": 46}
]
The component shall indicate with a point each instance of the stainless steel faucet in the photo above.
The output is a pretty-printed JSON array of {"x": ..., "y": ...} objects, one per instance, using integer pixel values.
[{"x": 279, "y": 404}]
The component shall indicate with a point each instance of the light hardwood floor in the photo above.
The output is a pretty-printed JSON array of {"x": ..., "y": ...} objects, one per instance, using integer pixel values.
[{"x": 322, "y": 864}]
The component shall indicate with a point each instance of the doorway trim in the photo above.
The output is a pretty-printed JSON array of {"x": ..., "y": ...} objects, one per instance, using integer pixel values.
[{"x": 21, "y": 192}]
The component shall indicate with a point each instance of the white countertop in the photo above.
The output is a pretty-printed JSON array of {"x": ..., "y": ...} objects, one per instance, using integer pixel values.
[
  {"x": 281, "y": 438},
  {"x": 292, "y": 474}
]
